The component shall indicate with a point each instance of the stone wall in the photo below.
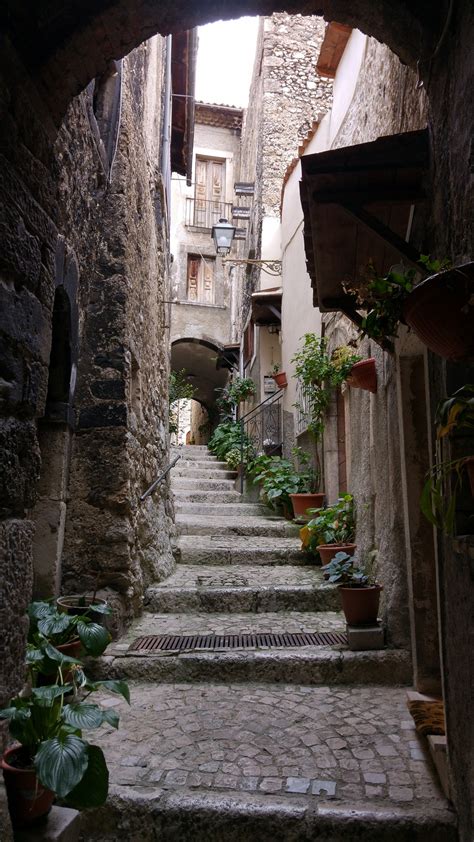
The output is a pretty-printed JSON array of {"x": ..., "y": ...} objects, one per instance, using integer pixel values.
[
  {"x": 293, "y": 95},
  {"x": 112, "y": 541},
  {"x": 387, "y": 99}
]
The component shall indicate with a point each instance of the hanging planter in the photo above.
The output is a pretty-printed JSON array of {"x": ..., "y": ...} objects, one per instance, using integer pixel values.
[
  {"x": 440, "y": 311},
  {"x": 363, "y": 375},
  {"x": 280, "y": 379}
]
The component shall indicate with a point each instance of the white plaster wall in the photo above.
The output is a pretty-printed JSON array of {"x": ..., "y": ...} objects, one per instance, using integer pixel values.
[{"x": 298, "y": 314}]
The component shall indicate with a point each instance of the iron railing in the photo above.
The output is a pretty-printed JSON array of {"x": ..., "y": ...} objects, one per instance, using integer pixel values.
[
  {"x": 262, "y": 429},
  {"x": 201, "y": 213},
  {"x": 159, "y": 479}
]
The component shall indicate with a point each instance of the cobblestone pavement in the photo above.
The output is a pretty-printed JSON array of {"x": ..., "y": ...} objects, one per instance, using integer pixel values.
[{"x": 350, "y": 744}]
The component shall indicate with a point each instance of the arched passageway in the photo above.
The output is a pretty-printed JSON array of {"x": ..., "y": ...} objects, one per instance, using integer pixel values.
[{"x": 198, "y": 357}]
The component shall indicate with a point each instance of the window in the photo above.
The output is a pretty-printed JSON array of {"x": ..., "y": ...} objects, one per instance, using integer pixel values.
[
  {"x": 209, "y": 194},
  {"x": 200, "y": 285}
]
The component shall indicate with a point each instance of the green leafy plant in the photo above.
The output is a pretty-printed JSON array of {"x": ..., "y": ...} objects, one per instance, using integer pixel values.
[
  {"x": 278, "y": 479},
  {"x": 276, "y": 367},
  {"x": 226, "y": 439},
  {"x": 179, "y": 389},
  {"x": 48, "y": 722},
  {"x": 58, "y": 628},
  {"x": 346, "y": 571},
  {"x": 332, "y": 525},
  {"x": 238, "y": 390},
  {"x": 383, "y": 297},
  {"x": 319, "y": 373},
  {"x": 444, "y": 480}
]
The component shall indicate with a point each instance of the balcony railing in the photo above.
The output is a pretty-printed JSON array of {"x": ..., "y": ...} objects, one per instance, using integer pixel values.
[{"x": 201, "y": 213}]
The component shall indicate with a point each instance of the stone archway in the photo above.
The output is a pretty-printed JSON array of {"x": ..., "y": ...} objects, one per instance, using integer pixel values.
[
  {"x": 67, "y": 47},
  {"x": 199, "y": 358}
]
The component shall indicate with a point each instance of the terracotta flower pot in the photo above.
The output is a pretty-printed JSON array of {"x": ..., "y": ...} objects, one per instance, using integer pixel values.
[
  {"x": 302, "y": 502},
  {"x": 73, "y": 650},
  {"x": 28, "y": 799},
  {"x": 328, "y": 551},
  {"x": 440, "y": 311},
  {"x": 70, "y": 605},
  {"x": 360, "y": 605},
  {"x": 364, "y": 375},
  {"x": 280, "y": 379}
]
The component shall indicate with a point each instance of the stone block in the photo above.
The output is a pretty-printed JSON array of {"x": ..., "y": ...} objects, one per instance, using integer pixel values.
[
  {"x": 365, "y": 637},
  {"x": 438, "y": 750},
  {"x": 15, "y": 594},
  {"x": 62, "y": 825}
]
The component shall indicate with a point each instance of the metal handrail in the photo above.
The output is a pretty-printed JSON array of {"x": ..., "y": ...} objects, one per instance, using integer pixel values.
[
  {"x": 262, "y": 422},
  {"x": 279, "y": 392},
  {"x": 159, "y": 479}
]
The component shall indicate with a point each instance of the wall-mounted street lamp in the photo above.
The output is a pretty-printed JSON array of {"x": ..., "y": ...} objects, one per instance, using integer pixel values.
[{"x": 223, "y": 233}]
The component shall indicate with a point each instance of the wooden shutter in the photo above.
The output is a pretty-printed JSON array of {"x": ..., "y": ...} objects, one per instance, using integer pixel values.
[
  {"x": 208, "y": 281},
  {"x": 193, "y": 277}
]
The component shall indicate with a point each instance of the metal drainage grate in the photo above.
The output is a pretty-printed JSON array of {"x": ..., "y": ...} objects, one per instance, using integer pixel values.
[{"x": 214, "y": 642}]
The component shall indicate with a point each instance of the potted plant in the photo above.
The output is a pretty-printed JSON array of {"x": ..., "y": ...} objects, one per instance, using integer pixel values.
[
  {"x": 440, "y": 310},
  {"x": 279, "y": 376},
  {"x": 444, "y": 481},
  {"x": 359, "y": 590},
  {"x": 363, "y": 375},
  {"x": 93, "y": 606},
  {"x": 72, "y": 634},
  {"x": 310, "y": 497},
  {"x": 383, "y": 299},
  {"x": 278, "y": 480},
  {"x": 239, "y": 390},
  {"x": 332, "y": 530},
  {"x": 51, "y": 756}
]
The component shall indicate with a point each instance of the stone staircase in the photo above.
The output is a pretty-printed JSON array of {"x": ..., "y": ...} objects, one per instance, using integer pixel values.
[{"x": 266, "y": 742}]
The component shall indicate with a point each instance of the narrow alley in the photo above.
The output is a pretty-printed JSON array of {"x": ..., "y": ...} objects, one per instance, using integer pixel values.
[{"x": 260, "y": 742}]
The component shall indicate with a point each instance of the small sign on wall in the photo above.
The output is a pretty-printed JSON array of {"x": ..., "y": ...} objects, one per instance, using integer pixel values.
[{"x": 269, "y": 385}]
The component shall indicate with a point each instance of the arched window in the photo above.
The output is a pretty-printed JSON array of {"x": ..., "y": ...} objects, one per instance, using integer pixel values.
[{"x": 60, "y": 361}]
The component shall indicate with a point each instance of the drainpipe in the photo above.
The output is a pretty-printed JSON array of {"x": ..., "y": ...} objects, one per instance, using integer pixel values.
[{"x": 166, "y": 147}]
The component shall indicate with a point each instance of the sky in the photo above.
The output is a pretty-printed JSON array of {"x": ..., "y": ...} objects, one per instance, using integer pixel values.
[{"x": 225, "y": 61}]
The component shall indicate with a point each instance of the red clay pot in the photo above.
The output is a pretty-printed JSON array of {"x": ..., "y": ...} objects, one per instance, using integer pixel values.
[
  {"x": 364, "y": 375},
  {"x": 280, "y": 379},
  {"x": 328, "y": 551},
  {"x": 28, "y": 799},
  {"x": 360, "y": 605},
  {"x": 302, "y": 502},
  {"x": 440, "y": 311}
]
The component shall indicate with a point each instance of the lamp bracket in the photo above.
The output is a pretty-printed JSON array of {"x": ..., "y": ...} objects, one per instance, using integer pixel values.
[{"x": 271, "y": 267}]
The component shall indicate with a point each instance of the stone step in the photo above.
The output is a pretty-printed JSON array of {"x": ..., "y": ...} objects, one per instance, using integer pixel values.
[
  {"x": 196, "y": 484},
  {"x": 242, "y": 588},
  {"x": 152, "y": 623},
  {"x": 235, "y": 549},
  {"x": 198, "y": 473},
  {"x": 309, "y": 665},
  {"x": 195, "y": 453},
  {"x": 178, "y": 813},
  {"x": 224, "y": 509},
  {"x": 218, "y": 525},
  {"x": 202, "y": 464},
  {"x": 216, "y": 498}
]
